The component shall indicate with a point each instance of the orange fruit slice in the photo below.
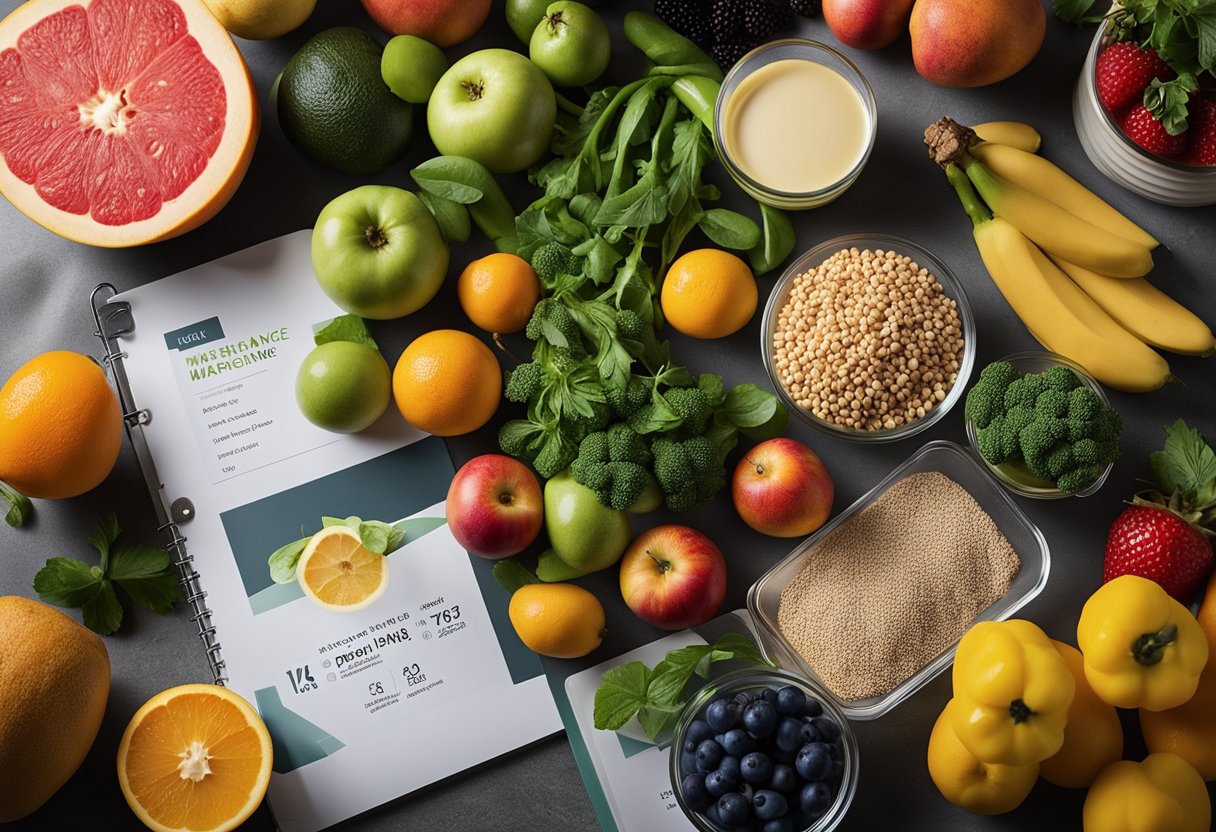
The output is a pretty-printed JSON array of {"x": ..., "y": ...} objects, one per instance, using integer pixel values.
[
  {"x": 447, "y": 383},
  {"x": 123, "y": 123},
  {"x": 499, "y": 292},
  {"x": 195, "y": 757},
  {"x": 338, "y": 573},
  {"x": 709, "y": 294}
]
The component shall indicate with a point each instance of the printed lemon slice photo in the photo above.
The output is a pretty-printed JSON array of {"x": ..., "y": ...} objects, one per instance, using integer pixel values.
[{"x": 337, "y": 572}]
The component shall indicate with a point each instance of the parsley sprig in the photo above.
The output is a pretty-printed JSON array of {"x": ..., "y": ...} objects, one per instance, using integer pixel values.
[
  {"x": 144, "y": 573},
  {"x": 17, "y": 507}
]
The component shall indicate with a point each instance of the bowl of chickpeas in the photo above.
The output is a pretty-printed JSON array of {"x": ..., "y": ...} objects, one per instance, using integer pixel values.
[{"x": 868, "y": 337}]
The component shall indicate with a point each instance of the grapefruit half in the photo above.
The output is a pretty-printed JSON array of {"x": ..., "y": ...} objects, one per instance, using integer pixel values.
[{"x": 122, "y": 122}]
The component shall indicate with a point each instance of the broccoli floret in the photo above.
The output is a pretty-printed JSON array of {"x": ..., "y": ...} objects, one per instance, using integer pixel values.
[
  {"x": 629, "y": 324},
  {"x": 617, "y": 482},
  {"x": 625, "y": 445},
  {"x": 524, "y": 382},
  {"x": 692, "y": 406},
  {"x": 1061, "y": 378},
  {"x": 688, "y": 472},
  {"x": 552, "y": 321},
  {"x": 986, "y": 400},
  {"x": 552, "y": 259},
  {"x": 1024, "y": 391},
  {"x": 629, "y": 400}
]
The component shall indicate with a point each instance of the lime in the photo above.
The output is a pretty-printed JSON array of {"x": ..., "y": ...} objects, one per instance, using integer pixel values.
[
  {"x": 343, "y": 386},
  {"x": 412, "y": 67},
  {"x": 334, "y": 106}
]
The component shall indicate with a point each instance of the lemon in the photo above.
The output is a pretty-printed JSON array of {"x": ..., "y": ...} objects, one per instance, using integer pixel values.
[
  {"x": 338, "y": 573},
  {"x": 560, "y": 620},
  {"x": 260, "y": 19},
  {"x": 709, "y": 294}
]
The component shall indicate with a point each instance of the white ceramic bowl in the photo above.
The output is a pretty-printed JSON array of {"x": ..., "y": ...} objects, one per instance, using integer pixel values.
[{"x": 1125, "y": 162}]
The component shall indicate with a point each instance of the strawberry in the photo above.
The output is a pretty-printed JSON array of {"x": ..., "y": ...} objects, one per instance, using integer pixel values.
[
  {"x": 1146, "y": 130},
  {"x": 1201, "y": 147},
  {"x": 1123, "y": 71},
  {"x": 1166, "y": 538}
]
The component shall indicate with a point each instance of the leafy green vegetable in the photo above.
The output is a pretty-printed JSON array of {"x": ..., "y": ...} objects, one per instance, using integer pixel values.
[
  {"x": 19, "y": 506},
  {"x": 1075, "y": 11},
  {"x": 378, "y": 537},
  {"x": 469, "y": 183},
  {"x": 1182, "y": 32},
  {"x": 1168, "y": 100},
  {"x": 779, "y": 240},
  {"x": 656, "y": 696},
  {"x": 452, "y": 217},
  {"x": 144, "y": 573},
  {"x": 345, "y": 328},
  {"x": 1185, "y": 473}
]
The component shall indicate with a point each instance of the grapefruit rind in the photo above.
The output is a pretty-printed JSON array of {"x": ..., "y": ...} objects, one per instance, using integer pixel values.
[
  {"x": 257, "y": 790},
  {"x": 203, "y": 197}
]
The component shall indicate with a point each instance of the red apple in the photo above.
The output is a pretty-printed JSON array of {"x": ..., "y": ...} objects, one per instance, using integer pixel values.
[
  {"x": 867, "y": 24},
  {"x": 442, "y": 22},
  {"x": 495, "y": 508},
  {"x": 782, "y": 489},
  {"x": 673, "y": 577}
]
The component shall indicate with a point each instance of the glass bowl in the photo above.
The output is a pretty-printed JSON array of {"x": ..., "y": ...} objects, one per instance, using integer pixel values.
[
  {"x": 802, "y": 50},
  {"x": 1125, "y": 162},
  {"x": 1040, "y": 362},
  {"x": 950, "y": 285},
  {"x": 961, "y": 466},
  {"x": 763, "y": 677}
]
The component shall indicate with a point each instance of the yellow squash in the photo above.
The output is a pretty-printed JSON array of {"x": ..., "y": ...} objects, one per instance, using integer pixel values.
[{"x": 1161, "y": 794}]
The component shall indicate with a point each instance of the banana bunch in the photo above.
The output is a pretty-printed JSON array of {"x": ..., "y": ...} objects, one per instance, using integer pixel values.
[{"x": 1070, "y": 265}]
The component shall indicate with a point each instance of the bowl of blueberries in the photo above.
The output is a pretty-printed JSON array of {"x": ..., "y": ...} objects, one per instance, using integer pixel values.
[{"x": 763, "y": 750}]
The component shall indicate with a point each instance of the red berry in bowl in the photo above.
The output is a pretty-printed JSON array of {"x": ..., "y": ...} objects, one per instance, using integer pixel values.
[
  {"x": 1157, "y": 544},
  {"x": 1123, "y": 71},
  {"x": 1146, "y": 130},
  {"x": 1201, "y": 146}
]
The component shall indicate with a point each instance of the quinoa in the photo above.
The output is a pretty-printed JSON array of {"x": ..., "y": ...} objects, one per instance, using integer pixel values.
[
  {"x": 868, "y": 340},
  {"x": 895, "y": 586}
]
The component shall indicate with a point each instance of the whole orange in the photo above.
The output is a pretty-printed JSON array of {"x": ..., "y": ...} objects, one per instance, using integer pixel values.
[
  {"x": 499, "y": 292},
  {"x": 447, "y": 383},
  {"x": 709, "y": 294},
  {"x": 60, "y": 426}
]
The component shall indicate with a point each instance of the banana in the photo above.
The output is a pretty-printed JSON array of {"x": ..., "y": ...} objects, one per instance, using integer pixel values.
[
  {"x": 1057, "y": 231},
  {"x": 1012, "y": 133},
  {"x": 1145, "y": 311},
  {"x": 1039, "y": 176}
]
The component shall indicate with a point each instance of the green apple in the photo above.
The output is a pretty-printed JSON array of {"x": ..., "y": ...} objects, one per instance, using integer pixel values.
[
  {"x": 494, "y": 107},
  {"x": 584, "y": 532},
  {"x": 524, "y": 15},
  {"x": 377, "y": 252},
  {"x": 343, "y": 386},
  {"x": 571, "y": 44},
  {"x": 412, "y": 67}
]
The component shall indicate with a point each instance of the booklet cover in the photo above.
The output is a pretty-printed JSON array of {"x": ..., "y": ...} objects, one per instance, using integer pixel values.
[{"x": 359, "y": 704}]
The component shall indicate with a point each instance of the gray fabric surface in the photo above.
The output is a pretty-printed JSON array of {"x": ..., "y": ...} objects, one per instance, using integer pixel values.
[{"x": 44, "y": 288}]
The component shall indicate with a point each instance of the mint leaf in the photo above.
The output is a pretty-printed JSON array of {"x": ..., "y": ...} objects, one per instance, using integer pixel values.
[
  {"x": 671, "y": 675},
  {"x": 778, "y": 241},
  {"x": 102, "y": 613},
  {"x": 65, "y": 582},
  {"x": 622, "y": 692},
  {"x": 283, "y": 561},
  {"x": 730, "y": 229},
  {"x": 757, "y": 413},
  {"x": 19, "y": 506},
  {"x": 1186, "y": 465},
  {"x": 741, "y": 647},
  {"x": 103, "y": 538},
  {"x": 146, "y": 574},
  {"x": 374, "y": 536},
  {"x": 656, "y": 719},
  {"x": 511, "y": 575},
  {"x": 345, "y": 328}
]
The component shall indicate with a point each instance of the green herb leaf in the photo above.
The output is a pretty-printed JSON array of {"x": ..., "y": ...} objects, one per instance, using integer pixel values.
[
  {"x": 657, "y": 719},
  {"x": 730, "y": 229},
  {"x": 1186, "y": 465},
  {"x": 284, "y": 560},
  {"x": 19, "y": 508},
  {"x": 451, "y": 217},
  {"x": 345, "y": 328},
  {"x": 66, "y": 582},
  {"x": 671, "y": 675},
  {"x": 448, "y": 177},
  {"x": 103, "y": 537},
  {"x": 146, "y": 574},
  {"x": 779, "y": 240},
  {"x": 511, "y": 575},
  {"x": 711, "y": 385},
  {"x": 1074, "y": 11},
  {"x": 102, "y": 613},
  {"x": 749, "y": 407},
  {"x": 379, "y": 537},
  {"x": 1169, "y": 101},
  {"x": 622, "y": 692}
]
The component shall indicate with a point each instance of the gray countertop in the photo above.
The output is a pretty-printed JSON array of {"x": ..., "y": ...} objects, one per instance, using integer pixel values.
[{"x": 44, "y": 288}]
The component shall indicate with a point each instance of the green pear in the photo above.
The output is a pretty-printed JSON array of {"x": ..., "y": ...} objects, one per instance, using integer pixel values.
[{"x": 584, "y": 532}]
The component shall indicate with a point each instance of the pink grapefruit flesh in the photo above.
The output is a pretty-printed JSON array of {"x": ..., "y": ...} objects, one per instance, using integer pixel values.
[{"x": 121, "y": 122}]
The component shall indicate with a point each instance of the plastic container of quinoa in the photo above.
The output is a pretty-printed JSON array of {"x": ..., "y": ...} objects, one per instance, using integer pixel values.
[
  {"x": 813, "y": 259},
  {"x": 955, "y": 462}
]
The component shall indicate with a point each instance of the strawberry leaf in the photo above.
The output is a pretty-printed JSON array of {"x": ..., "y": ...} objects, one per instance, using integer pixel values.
[{"x": 1169, "y": 100}]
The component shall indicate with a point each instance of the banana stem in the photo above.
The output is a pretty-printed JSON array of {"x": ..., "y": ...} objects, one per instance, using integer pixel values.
[{"x": 972, "y": 204}]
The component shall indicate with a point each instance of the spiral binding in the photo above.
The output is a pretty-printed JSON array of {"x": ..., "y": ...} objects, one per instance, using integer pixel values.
[{"x": 113, "y": 322}]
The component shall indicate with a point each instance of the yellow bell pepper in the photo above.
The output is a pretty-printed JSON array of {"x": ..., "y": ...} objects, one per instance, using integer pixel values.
[
  {"x": 1162, "y": 794},
  {"x": 1012, "y": 690},
  {"x": 1142, "y": 648}
]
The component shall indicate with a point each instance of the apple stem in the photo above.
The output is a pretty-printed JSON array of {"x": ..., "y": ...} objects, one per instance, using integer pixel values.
[
  {"x": 555, "y": 20},
  {"x": 664, "y": 565},
  {"x": 759, "y": 466},
  {"x": 476, "y": 89},
  {"x": 375, "y": 237}
]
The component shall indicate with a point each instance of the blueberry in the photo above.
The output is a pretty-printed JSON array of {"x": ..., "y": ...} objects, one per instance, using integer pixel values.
[
  {"x": 734, "y": 809},
  {"x": 737, "y": 742},
  {"x": 789, "y": 734},
  {"x": 760, "y": 718},
  {"x": 790, "y": 701},
  {"x": 722, "y": 715},
  {"x": 747, "y": 790},
  {"x": 718, "y": 783},
  {"x": 730, "y": 767},
  {"x": 698, "y": 731},
  {"x": 745, "y": 698},
  {"x": 785, "y": 823},
  {"x": 695, "y": 793},
  {"x": 809, "y": 733},
  {"x": 837, "y": 770},
  {"x": 709, "y": 754},
  {"x": 814, "y": 761},
  {"x": 815, "y": 798},
  {"x": 828, "y": 729},
  {"x": 812, "y": 707},
  {"x": 784, "y": 778},
  {"x": 688, "y": 762},
  {"x": 770, "y": 695},
  {"x": 711, "y": 812},
  {"x": 768, "y": 804},
  {"x": 756, "y": 768}
]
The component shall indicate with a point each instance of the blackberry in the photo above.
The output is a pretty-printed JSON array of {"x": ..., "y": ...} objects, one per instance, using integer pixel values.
[
  {"x": 759, "y": 17},
  {"x": 726, "y": 20},
  {"x": 806, "y": 8},
  {"x": 688, "y": 17},
  {"x": 728, "y": 53}
]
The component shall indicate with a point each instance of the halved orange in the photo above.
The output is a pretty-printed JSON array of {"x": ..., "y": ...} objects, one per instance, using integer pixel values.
[
  {"x": 195, "y": 757},
  {"x": 338, "y": 573}
]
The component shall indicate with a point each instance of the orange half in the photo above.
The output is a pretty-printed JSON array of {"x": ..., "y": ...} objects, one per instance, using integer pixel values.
[
  {"x": 338, "y": 573},
  {"x": 195, "y": 757}
]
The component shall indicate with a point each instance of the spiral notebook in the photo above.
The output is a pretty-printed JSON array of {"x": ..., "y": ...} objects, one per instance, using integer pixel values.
[{"x": 359, "y": 704}]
